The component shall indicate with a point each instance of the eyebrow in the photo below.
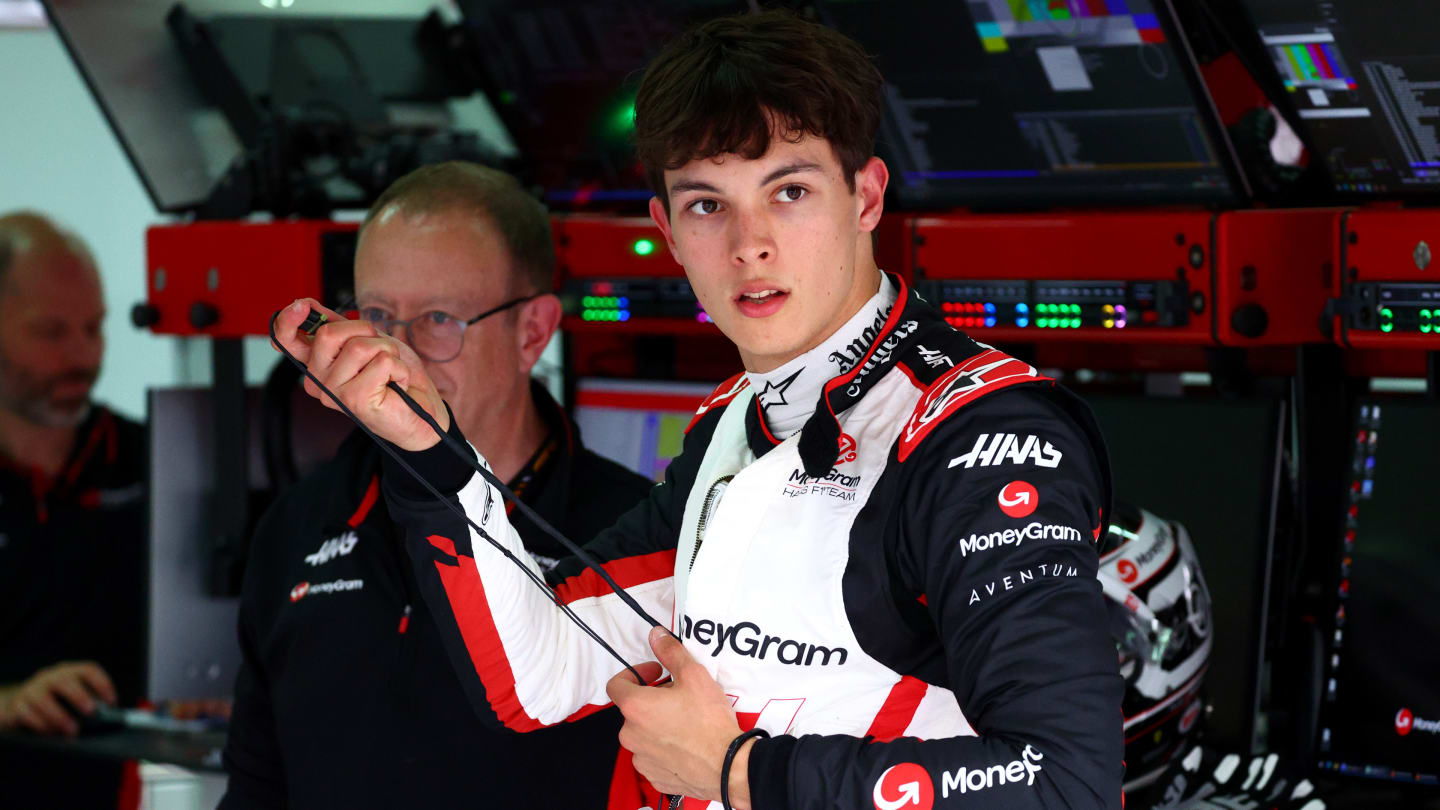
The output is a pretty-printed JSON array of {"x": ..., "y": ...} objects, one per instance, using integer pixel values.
[{"x": 789, "y": 169}]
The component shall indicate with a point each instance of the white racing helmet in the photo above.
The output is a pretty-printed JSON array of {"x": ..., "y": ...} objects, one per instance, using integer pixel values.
[{"x": 1159, "y": 612}]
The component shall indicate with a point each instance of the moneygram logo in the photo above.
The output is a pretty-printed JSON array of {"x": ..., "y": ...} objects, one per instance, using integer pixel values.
[
  {"x": 1018, "y": 499},
  {"x": 903, "y": 787},
  {"x": 969, "y": 780},
  {"x": 304, "y": 589},
  {"x": 1405, "y": 722},
  {"x": 1127, "y": 570},
  {"x": 1016, "y": 537}
]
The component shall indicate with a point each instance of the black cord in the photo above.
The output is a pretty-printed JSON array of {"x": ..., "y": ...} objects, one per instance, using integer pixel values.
[
  {"x": 465, "y": 453},
  {"x": 730, "y": 760}
]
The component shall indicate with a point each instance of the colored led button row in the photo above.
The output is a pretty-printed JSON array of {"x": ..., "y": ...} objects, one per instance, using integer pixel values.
[
  {"x": 604, "y": 302},
  {"x": 972, "y": 322},
  {"x": 968, "y": 307},
  {"x": 605, "y": 315}
]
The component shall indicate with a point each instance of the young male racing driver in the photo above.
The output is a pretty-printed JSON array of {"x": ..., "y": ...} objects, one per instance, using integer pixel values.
[{"x": 877, "y": 543}]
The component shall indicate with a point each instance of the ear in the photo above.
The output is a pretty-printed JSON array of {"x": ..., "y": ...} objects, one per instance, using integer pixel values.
[
  {"x": 539, "y": 318},
  {"x": 662, "y": 221},
  {"x": 870, "y": 183}
]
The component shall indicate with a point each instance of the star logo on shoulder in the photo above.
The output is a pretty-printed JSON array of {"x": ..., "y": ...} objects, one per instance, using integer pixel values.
[{"x": 774, "y": 394}]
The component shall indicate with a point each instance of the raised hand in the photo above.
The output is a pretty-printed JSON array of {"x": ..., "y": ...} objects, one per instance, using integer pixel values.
[{"x": 357, "y": 364}]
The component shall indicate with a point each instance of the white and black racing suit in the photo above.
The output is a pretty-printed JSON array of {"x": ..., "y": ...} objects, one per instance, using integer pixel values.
[{"x": 902, "y": 592}]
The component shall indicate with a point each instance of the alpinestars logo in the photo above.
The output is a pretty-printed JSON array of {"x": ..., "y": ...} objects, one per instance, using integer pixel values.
[
  {"x": 1008, "y": 448},
  {"x": 970, "y": 780},
  {"x": 1405, "y": 722},
  {"x": 747, "y": 640},
  {"x": 1015, "y": 537},
  {"x": 774, "y": 393},
  {"x": 332, "y": 548},
  {"x": 903, "y": 787}
]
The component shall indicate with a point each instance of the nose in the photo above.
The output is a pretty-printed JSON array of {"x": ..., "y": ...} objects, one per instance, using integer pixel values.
[{"x": 752, "y": 241}]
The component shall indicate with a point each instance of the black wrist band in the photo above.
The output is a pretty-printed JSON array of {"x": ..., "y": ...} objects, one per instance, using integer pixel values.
[{"x": 730, "y": 760}]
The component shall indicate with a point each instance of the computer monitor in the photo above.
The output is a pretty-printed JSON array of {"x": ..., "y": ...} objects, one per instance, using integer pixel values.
[
  {"x": 1214, "y": 466},
  {"x": 192, "y": 649},
  {"x": 637, "y": 423},
  {"x": 1002, "y": 103},
  {"x": 1364, "y": 80},
  {"x": 1380, "y": 701},
  {"x": 563, "y": 74}
]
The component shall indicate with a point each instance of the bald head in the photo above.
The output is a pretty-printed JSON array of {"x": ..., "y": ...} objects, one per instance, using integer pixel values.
[
  {"x": 26, "y": 233},
  {"x": 51, "y": 308}
]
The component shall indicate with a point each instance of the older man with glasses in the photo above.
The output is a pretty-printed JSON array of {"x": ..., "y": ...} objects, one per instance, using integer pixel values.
[{"x": 346, "y": 697}]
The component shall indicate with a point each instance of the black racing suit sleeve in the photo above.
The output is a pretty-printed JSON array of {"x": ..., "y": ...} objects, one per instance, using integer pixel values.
[
  {"x": 252, "y": 752},
  {"x": 522, "y": 664},
  {"x": 1022, "y": 624}
]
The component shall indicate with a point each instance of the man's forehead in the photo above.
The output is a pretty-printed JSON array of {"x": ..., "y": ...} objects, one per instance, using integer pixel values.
[{"x": 807, "y": 154}]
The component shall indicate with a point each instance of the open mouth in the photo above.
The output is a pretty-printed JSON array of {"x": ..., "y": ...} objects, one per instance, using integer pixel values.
[{"x": 761, "y": 303}]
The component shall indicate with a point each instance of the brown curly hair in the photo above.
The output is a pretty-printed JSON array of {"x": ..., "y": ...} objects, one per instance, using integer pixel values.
[{"x": 728, "y": 84}]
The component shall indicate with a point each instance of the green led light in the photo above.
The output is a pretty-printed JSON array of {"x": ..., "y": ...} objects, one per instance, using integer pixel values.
[
  {"x": 1042, "y": 308},
  {"x": 1043, "y": 323},
  {"x": 1387, "y": 327},
  {"x": 643, "y": 247},
  {"x": 587, "y": 315}
]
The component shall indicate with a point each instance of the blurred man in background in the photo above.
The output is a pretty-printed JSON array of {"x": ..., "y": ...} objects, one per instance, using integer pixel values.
[{"x": 72, "y": 518}]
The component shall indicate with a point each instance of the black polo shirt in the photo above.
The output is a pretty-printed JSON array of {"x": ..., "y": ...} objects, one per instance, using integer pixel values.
[
  {"x": 346, "y": 697},
  {"x": 72, "y": 587}
]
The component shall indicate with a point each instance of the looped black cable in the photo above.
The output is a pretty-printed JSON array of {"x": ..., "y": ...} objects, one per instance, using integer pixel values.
[{"x": 464, "y": 453}]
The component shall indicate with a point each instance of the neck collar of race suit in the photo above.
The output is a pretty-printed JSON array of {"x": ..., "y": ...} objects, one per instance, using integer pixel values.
[
  {"x": 863, "y": 353},
  {"x": 787, "y": 395}
]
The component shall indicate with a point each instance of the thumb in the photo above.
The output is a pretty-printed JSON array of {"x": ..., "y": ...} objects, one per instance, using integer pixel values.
[{"x": 669, "y": 651}]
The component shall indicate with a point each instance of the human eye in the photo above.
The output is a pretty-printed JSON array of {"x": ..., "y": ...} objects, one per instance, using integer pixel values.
[
  {"x": 374, "y": 316},
  {"x": 791, "y": 193},
  {"x": 703, "y": 207},
  {"x": 438, "y": 318}
]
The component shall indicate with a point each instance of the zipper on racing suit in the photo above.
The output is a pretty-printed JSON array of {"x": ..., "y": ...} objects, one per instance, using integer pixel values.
[{"x": 712, "y": 499}]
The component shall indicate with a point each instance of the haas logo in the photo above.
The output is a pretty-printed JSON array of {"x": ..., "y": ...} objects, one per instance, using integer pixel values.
[
  {"x": 1127, "y": 570},
  {"x": 298, "y": 592},
  {"x": 904, "y": 786},
  {"x": 847, "y": 448},
  {"x": 1404, "y": 720},
  {"x": 1018, "y": 499}
]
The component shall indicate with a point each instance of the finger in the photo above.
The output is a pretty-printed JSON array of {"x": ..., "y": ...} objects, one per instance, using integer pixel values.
[
  {"x": 287, "y": 329},
  {"x": 355, "y": 356},
  {"x": 366, "y": 392},
  {"x": 331, "y": 340},
  {"x": 99, "y": 682},
  {"x": 50, "y": 716},
  {"x": 621, "y": 687},
  {"x": 70, "y": 686},
  {"x": 670, "y": 652}
]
